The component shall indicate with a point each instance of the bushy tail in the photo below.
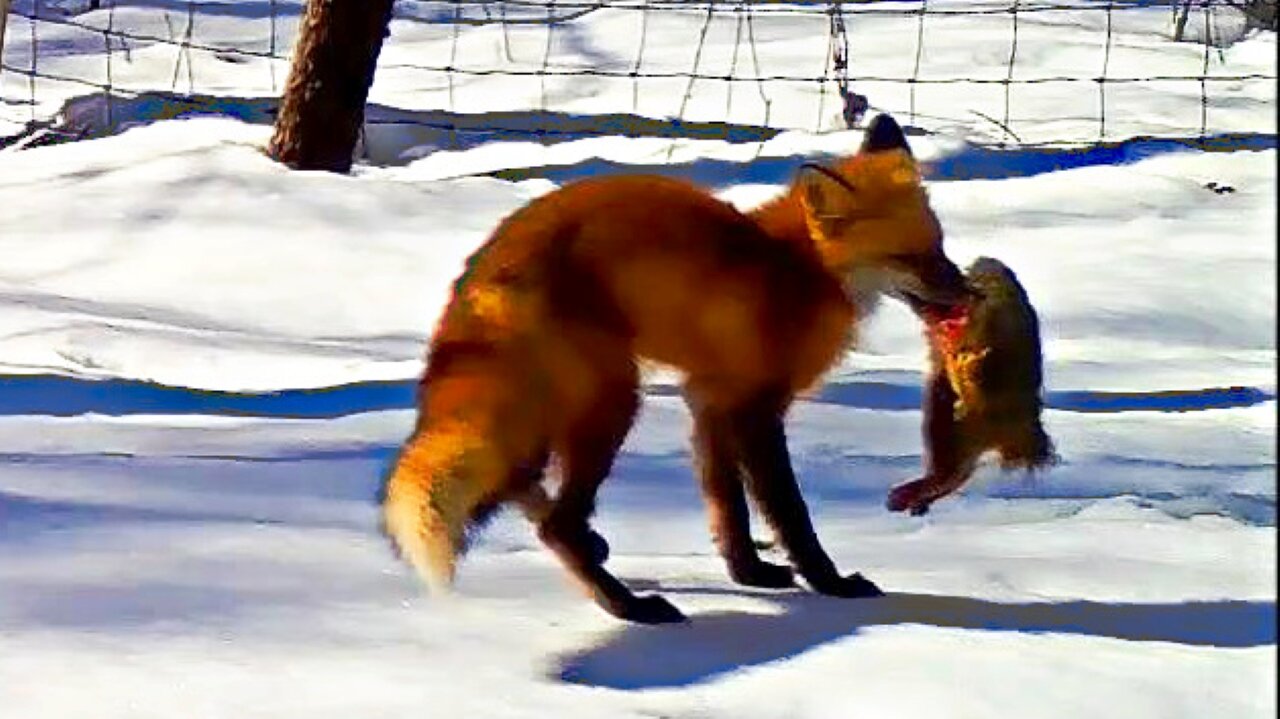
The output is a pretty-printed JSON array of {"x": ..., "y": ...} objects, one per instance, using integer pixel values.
[
  {"x": 444, "y": 481},
  {"x": 479, "y": 411}
]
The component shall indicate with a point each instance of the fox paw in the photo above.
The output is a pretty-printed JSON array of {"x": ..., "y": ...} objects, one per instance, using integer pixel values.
[
  {"x": 854, "y": 586},
  {"x": 913, "y": 497},
  {"x": 651, "y": 609},
  {"x": 597, "y": 547},
  {"x": 763, "y": 574}
]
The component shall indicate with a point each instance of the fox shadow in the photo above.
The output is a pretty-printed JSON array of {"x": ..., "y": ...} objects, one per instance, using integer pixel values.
[{"x": 720, "y": 642}]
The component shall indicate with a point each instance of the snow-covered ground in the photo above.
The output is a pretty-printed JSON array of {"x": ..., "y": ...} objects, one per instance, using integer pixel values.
[
  {"x": 230, "y": 567},
  {"x": 207, "y": 363}
]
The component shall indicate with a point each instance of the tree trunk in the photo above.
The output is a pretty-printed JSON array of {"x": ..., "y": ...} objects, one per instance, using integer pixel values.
[
  {"x": 1180, "y": 23},
  {"x": 1261, "y": 14},
  {"x": 4, "y": 18},
  {"x": 322, "y": 109}
]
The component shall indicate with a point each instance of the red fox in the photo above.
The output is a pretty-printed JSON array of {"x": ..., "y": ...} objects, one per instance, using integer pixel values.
[{"x": 536, "y": 356}]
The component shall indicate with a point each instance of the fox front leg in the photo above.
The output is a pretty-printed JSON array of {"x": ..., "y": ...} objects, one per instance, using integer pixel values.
[
  {"x": 761, "y": 445},
  {"x": 730, "y": 519}
]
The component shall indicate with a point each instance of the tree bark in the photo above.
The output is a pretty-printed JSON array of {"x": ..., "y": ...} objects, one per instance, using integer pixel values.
[
  {"x": 1180, "y": 23},
  {"x": 1261, "y": 14},
  {"x": 322, "y": 109},
  {"x": 4, "y": 18}
]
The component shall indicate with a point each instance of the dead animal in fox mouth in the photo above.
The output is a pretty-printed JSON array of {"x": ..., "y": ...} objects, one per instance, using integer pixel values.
[{"x": 985, "y": 389}]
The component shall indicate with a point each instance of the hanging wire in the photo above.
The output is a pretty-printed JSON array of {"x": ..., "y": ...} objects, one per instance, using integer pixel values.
[
  {"x": 733, "y": 61},
  {"x": 755, "y": 65},
  {"x": 1207, "y": 40},
  {"x": 186, "y": 46},
  {"x": 697, "y": 60},
  {"x": 853, "y": 104},
  {"x": 915, "y": 68},
  {"x": 693, "y": 76},
  {"x": 635, "y": 66},
  {"x": 1102, "y": 81},
  {"x": 35, "y": 68},
  {"x": 506, "y": 32},
  {"x": 271, "y": 46},
  {"x": 828, "y": 60},
  {"x": 1008, "y": 78},
  {"x": 546, "y": 58},
  {"x": 106, "y": 39},
  {"x": 455, "y": 34}
]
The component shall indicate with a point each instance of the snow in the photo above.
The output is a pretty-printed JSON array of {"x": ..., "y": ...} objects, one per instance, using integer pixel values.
[
  {"x": 159, "y": 571},
  {"x": 210, "y": 234},
  {"x": 207, "y": 364}
]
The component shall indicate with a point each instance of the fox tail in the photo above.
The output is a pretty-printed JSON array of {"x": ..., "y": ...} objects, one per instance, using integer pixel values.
[{"x": 445, "y": 483}]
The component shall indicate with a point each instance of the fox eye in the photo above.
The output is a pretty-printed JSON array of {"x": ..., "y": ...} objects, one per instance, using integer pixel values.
[{"x": 835, "y": 224}]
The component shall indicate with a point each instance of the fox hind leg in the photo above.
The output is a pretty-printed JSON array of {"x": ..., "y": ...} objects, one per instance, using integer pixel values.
[
  {"x": 586, "y": 456},
  {"x": 535, "y": 504}
]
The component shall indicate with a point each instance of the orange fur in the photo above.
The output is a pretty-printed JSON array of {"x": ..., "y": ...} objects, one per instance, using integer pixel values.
[{"x": 537, "y": 351}]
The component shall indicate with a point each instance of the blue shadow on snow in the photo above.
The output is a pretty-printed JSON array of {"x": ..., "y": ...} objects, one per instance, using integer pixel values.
[
  {"x": 971, "y": 163},
  {"x": 717, "y": 643},
  {"x": 66, "y": 396},
  {"x": 392, "y": 136}
]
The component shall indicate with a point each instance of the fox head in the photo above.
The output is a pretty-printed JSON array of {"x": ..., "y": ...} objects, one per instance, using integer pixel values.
[{"x": 870, "y": 218}]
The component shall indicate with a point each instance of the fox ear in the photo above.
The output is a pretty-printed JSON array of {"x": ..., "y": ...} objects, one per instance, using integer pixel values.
[
  {"x": 885, "y": 134},
  {"x": 824, "y": 192},
  {"x": 827, "y": 199}
]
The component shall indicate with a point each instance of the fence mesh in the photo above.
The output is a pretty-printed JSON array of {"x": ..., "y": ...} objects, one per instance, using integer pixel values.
[{"x": 990, "y": 71}]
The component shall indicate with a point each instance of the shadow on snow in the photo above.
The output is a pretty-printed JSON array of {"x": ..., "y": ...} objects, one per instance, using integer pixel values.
[
  {"x": 721, "y": 642},
  {"x": 394, "y": 136},
  {"x": 67, "y": 396}
]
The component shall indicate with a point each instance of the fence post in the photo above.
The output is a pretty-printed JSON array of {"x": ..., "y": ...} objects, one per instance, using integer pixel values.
[{"x": 322, "y": 109}]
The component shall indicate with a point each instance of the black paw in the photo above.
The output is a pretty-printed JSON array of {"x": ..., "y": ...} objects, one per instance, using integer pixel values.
[
  {"x": 597, "y": 547},
  {"x": 913, "y": 497},
  {"x": 763, "y": 574},
  {"x": 854, "y": 586},
  {"x": 651, "y": 609}
]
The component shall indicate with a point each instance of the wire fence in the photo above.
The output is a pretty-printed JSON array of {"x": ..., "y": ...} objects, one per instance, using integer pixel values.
[{"x": 989, "y": 71}]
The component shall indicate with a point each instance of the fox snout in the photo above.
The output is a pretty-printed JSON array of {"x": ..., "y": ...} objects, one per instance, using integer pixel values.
[{"x": 934, "y": 281}]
